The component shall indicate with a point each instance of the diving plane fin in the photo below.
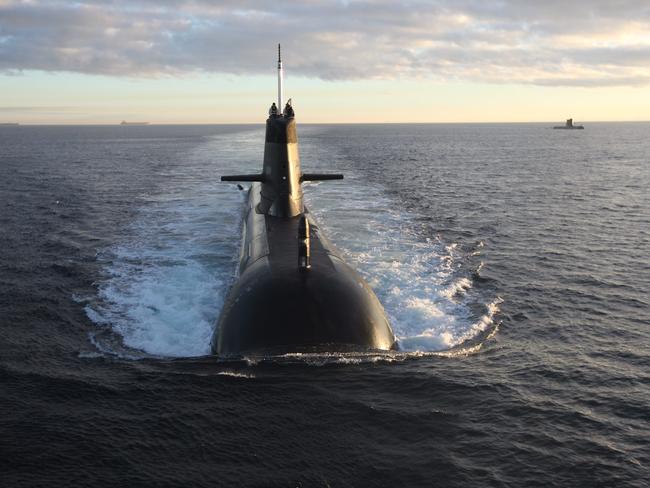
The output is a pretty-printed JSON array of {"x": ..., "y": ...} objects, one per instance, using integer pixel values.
[
  {"x": 320, "y": 176},
  {"x": 243, "y": 178}
]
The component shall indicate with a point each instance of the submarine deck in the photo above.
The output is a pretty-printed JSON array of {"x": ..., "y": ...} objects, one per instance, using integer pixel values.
[{"x": 283, "y": 241}]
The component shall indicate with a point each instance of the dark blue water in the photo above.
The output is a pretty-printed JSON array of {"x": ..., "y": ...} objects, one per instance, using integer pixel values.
[{"x": 512, "y": 261}]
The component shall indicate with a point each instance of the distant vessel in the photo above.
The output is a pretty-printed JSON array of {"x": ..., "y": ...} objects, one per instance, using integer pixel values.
[
  {"x": 569, "y": 125},
  {"x": 124, "y": 122},
  {"x": 9, "y": 123}
]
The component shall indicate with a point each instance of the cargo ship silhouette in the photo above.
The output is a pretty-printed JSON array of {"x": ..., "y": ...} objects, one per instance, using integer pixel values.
[{"x": 124, "y": 122}]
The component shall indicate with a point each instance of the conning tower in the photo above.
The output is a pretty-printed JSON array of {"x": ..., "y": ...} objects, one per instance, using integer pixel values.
[{"x": 281, "y": 175}]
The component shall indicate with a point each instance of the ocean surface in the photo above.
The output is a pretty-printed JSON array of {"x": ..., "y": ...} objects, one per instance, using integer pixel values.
[{"x": 512, "y": 260}]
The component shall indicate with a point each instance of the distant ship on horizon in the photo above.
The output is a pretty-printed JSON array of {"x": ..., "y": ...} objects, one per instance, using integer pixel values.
[
  {"x": 124, "y": 122},
  {"x": 9, "y": 123},
  {"x": 569, "y": 125}
]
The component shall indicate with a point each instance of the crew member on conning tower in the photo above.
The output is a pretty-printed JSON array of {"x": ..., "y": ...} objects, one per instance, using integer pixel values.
[
  {"x": 273, "y": 111},
  {"x": 288, "y": 109}
]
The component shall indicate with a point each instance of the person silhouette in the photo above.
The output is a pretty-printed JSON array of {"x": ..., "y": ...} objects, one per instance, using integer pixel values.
[{"x": 288, "y": 109}]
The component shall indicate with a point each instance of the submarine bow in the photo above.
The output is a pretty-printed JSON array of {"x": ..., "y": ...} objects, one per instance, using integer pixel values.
[{"x": 294, "y": 292}]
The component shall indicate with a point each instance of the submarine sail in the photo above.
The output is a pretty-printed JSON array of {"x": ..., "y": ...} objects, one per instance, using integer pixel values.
[{"x": 294, "y": 292}]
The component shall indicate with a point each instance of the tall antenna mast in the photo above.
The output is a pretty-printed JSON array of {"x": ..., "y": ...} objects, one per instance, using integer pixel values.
[{"x": 280, "y": 79}]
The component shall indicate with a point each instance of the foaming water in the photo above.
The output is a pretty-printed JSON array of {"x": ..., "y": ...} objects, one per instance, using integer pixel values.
[
  {"x": 161, "y": 300},
  {"x": 163, "y": 285},
  {"x": 419, "y": 279}
]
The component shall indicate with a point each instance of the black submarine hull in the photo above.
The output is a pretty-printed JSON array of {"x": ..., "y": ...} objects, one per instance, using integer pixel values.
[
  {"x": 276, "y": 307},
  {"x": 294, "y": 293}
]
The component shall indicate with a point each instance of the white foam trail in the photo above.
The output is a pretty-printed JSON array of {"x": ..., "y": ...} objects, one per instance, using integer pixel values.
[
  {"x": 164, "y": 282},
  {"x": 433, "y": 339},
  {"x": 236, "y": 374},
  {"x": 165, "y": 308},
  {"x": 411, "y": 274},
  {"x": 457, "y": 287},
  {"x": 485, "y": 322},
  {"x": 414, "y": 276}
]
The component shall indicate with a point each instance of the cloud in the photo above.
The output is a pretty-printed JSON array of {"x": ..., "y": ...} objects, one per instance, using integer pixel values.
[{"x": 568, "y": 43}]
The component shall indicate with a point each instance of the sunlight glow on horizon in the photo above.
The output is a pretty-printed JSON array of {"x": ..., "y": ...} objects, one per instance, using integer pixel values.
[{"x": 67, "y": 98}]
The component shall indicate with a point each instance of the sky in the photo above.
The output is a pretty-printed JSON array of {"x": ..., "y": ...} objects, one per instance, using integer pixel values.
[{"x": 200, "y": 61}]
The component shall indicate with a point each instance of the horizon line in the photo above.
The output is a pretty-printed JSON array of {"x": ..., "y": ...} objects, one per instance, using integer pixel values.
[{"x": 118, "y": 124}]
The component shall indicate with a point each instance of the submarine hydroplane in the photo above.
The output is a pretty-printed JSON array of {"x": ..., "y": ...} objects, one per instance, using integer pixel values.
[{"x": 294, "y": 292}]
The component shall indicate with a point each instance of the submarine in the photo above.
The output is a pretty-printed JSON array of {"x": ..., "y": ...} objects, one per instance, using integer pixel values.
[
  {"x": 569, "y": 125},
  {"x": 294, "y": 293}
]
